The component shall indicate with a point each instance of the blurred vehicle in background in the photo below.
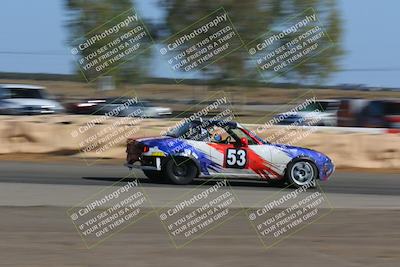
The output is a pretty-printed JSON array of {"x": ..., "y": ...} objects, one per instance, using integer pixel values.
[
  {"x": 349, "y": 112},
  {"x": 84, "y": 106},
  {"x": 381, "y": 114},
  {"x": 369, "y": 113},
  {"x": 23, "y": 99},
  {"x": 107, "y": 105},
  {"x": 146, "y": 108},
  {"x": 318, "y": 113}
]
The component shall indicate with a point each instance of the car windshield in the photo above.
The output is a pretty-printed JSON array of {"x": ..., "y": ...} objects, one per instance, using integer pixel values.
[
  {"x": 194, "y": 131},
  {"x": 128, "y": 101},
  {"x": 321, "y": 106},
  {"x": 240, "y": 134},
  {"x": 26, "y": 93},
  {"x": 145, "y": 104},
  {"x": 179, "y": 131}
]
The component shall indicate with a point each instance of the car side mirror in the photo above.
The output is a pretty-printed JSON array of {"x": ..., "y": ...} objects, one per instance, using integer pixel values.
[{"x": 244, "y": 142}]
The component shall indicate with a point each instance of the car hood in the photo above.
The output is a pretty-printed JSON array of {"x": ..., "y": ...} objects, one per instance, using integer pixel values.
[{"x": 295, "y": 151}]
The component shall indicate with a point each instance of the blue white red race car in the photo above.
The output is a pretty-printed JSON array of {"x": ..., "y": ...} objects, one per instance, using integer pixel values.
[{"x": 210, "y": 148}]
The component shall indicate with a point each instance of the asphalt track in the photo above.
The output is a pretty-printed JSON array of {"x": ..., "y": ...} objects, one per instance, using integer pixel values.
[
  {"x": 36, "y": 231},
  {"x": 83, "y": 174}
]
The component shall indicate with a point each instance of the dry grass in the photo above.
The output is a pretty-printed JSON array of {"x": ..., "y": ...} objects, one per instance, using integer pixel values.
[{"x": 177, "y": 91}]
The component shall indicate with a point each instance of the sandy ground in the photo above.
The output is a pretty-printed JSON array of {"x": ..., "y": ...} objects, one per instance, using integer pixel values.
[
  {"x": 43, "y": 236},
  {"x": 362, "y": 228}
]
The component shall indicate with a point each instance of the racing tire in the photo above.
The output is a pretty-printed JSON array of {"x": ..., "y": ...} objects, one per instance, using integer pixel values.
[
  {"x": 301, "y": 172},
  {"x": 180, "y": 171},
  {"x": 154, "y": 176}
]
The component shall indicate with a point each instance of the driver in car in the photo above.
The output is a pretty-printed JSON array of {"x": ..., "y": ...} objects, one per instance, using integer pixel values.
[
  {"x": 216, "y": 136},
  {"x": 198, "y": 132}
]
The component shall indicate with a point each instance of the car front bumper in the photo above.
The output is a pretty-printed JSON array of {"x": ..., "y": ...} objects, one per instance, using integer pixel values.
[{"x": 327, "y": 169}]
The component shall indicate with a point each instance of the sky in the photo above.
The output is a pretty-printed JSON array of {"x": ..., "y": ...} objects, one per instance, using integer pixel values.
[{"x": 34, "y": 40}]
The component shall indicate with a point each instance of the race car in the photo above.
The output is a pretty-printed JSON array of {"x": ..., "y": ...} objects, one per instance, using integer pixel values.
[{"x": 210, "y": 148}]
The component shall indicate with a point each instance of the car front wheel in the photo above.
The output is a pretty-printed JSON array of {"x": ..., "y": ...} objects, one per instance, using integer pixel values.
[{"x": 301, "y": 172}]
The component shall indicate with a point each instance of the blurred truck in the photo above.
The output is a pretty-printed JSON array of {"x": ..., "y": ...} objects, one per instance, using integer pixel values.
[
  {"x": 369, "y": 113},
  {"x": 24, "y": 99},
  {"x": 318, "y": 113}
]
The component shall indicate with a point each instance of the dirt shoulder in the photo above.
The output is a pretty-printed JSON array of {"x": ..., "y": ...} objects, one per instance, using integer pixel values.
[{"x": 45, "y": 236}]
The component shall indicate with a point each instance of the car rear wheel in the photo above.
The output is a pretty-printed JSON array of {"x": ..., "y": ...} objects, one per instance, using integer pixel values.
[
  {"x": 180, "y": 171},
  {"x": 155, "y": 176},
  {"x": 302, "y": 172}
]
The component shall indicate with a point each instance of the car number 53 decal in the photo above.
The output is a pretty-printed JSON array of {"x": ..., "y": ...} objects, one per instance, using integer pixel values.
[{"x": 236, "y": 158}]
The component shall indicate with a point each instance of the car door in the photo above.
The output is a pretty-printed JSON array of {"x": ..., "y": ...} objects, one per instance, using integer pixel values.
[
  {"x": 232, "y": 158},
  {"x": 260, "y": 162},
  {"x": 244, "y": 161}
]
